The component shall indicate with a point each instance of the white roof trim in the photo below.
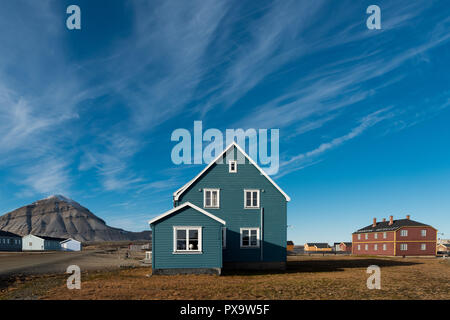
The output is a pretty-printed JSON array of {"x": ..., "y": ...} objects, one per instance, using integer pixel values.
[
  {"x": 206, "y": 213},
  {"x": 180, "y": 191}
]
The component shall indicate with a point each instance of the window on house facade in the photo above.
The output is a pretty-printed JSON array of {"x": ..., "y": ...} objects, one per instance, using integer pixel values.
[
  {"x": 211, "y": 198},
  {"x": 384, "y": 247},
  {"x": 404, "y": 233},
  {"x": 367, "y": 247},
  {"x": 232, "y": 166},
  {"x": 403, "y": 246},
  {"x": 224, "y": 237},
  {"x": 359, "y": 236},
  {"x": 359, "y": 247},
  {"x": 423, "y": 246},
  {"x": 384, "y": 235},
  {"x": 375, "y": 247},
  {"x": 376, "y": 235},
  {"x": 249, "y": 237},
  {"x": 187, "y": 239},
  {"x": 251, "y": 198},
  {"x": 366, "y": 236},
  {"x": 423, "y": 233}
]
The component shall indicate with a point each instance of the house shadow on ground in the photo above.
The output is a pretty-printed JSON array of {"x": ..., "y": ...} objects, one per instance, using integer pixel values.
[{"x": 306, "y": 265}]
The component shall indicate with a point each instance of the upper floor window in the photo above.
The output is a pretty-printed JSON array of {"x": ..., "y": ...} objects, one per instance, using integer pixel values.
[
  {"x": 187, "y": 239},
  {"x": 251, "y": 198},
  {"x": 359, "y": 236},
  {"x": 404, "y": 233},
  {"x": 249, "y": 237},
  {"x": 366, "y": 236},
  {"x": 384, "y": 235},
  {"x": 232, "y": 166},
  {"x": 376, "y": 235},
  {"x": 211, "y": 198},
  {"x": 424, "y": 233}
]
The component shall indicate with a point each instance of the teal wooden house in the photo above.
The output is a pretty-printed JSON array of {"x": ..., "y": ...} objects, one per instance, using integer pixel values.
[{"x": 232, "y": 215}]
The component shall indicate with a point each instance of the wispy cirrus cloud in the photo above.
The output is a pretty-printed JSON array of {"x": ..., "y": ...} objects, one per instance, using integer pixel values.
[
  {"x": 294, "y": 65},
  {"x": 300, "y": 161}
]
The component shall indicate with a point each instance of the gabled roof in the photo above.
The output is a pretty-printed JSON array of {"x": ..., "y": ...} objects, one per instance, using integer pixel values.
[
  {"x": 186, "y": 204},
  {"x": 320, "y": 245},
  {"x": 51, "y": 238},
  {"x": 9, "y": 234},
  {"x": 70, "y": 239},
  {"x": 347, "y": 244},
  {"x": 180, "y": 191},
  {"x": 384, "y": 226},
  {"x": 45, "y": 237}
]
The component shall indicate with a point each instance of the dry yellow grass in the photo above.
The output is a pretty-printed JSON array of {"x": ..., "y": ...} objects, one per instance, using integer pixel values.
[{"x": 306, "y": 278}]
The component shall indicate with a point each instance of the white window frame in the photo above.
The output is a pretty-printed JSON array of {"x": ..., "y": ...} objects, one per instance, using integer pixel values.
[
  {"x": 359, "y": 247},
  {"x": 230, "y": 163},
  {"x": 376, "y": 235},
  {"x": 403, "y": 247},
  {"x": 366, "y": 247},
  {"x": 218, "y": 198},
  {"x": 423, "y": 246},
  {"x": 404, "y": 233},
  {"x": 384, "y": 247},
  {"x": 423, "y": 232},
  {"x": 187, "y": 228},
  {"x": 359, "y": 236},
  {"x": 224, "y": 237},
  {"x": 375, "y": 247},
  {"x": 366, "y": 236},
  {"x": 251, "y": 192},
  {"x": 250, "y": 232},
  {"x": 384, "y": 235}
]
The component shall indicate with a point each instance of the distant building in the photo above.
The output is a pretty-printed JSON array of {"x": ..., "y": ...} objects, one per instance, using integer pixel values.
[
  {"x": 290, "y": 246},
  {"x": 403, "y": 237},
  {"x": 70, "y": 245},
  {"x": 317, "y": 246},
  {"x": 41, "y": 243},
  {"x": 342, "y": 246},
  {"x": 443, "y": 248},
  {"x": 10, "y": 241}
]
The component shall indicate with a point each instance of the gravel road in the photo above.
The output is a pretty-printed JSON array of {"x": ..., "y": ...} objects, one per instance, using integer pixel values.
[{"x": 29, "y": 263}]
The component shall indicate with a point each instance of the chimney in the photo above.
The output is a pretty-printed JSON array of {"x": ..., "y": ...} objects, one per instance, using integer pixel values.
[
  {"x": 384, "y": 219},
  {"x": 391, "y": 220},
  {"x": 374, "y": 222},
  {"x": 408, "y": 216}
]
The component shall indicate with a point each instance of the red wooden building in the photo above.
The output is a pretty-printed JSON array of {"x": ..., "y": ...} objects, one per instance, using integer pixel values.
[{"x": 403, "y": 237}]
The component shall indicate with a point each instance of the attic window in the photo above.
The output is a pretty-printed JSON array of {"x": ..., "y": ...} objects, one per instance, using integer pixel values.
[{"x": 232, "y": 166}]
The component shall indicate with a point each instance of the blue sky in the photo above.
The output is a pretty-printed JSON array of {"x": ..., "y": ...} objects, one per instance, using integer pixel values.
[{"x": 363, "y": 114}]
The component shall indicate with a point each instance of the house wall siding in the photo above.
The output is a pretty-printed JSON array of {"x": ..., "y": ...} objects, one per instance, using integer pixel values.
[
  {"x": 162, "y": 245},
  {"x": 232, "y": 209}
]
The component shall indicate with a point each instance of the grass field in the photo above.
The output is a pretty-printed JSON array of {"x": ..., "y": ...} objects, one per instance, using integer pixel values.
[{"x": 307, "y": 277}]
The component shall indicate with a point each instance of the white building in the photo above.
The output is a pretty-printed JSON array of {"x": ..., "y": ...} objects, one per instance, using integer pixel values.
[
  {"x": 40, "y": 243},
  {"x": 71, "y": 245}
]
